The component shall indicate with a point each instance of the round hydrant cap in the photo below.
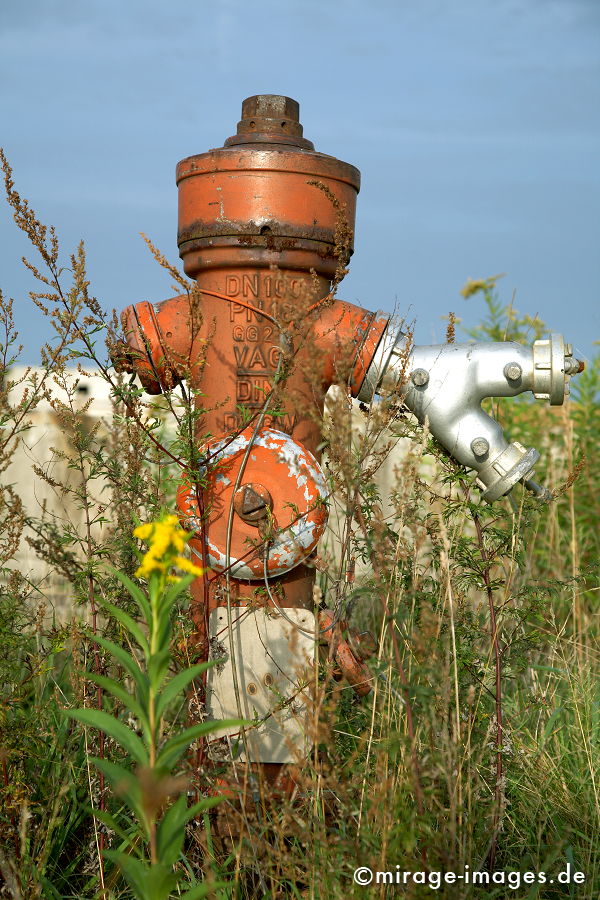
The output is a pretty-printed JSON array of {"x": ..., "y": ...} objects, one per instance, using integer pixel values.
[{"x": 296, "y": 498}]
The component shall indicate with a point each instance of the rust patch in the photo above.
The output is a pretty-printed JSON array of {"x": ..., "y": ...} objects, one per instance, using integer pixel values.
[{"x": 266, "y": 230}]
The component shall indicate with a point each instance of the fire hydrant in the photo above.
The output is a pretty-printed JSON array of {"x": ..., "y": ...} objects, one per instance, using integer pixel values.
[{"x": 266, "y": 225}]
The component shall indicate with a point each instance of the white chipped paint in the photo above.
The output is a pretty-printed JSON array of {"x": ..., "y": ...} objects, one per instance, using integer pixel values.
[{"x": 218, "y": 561}]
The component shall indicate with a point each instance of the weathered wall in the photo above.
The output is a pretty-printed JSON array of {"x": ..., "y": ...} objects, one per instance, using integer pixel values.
[{"x": 47, "y": 446}]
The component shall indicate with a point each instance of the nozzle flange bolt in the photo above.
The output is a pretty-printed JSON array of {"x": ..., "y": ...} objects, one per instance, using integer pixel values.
[
  {"x": 513, "y": 371},
  {"x": 573, "y": 366},
  {"x": 479, "y": 446},
  {"x": 420, "y": 377}
]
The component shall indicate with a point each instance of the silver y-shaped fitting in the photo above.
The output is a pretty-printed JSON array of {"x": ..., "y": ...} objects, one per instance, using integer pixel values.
[{"x": 444, "y": 385}]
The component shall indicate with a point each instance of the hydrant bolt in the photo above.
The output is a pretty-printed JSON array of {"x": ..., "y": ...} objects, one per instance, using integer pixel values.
[
  {"x": 573, "y": 367},
  {"x": 420, "y": 377},
  {"x": 479, "y": 446},
  {"x": 513, "y": 371}
]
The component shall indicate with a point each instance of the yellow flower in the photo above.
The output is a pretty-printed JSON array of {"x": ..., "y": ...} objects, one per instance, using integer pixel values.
[
  {"x": 149, "y": 565},
  {"x": 143, "y": 532},
  {"x": 187, "y": 566},
  {"x": 473, "y": 287},
  {"x": 166, "y": 544}
]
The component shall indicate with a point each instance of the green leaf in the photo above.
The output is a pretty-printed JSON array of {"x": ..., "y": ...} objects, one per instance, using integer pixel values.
[
  {"x": 149, "y": 882},
  {"x": 135, "y": 592},
  {"x": 115, "y": 729},
  {"x": 110, "y": 822},
  {"x": 163, "y": 630},
  {"x": 540, "y": 668},
  {"x": 119, "y": 777},
  {"x": 130, "y": 624},
  {"x": 127, "y": 699},
  {"x": 202, "y": 890},
  {"x": 178, "y": 683},
  {"x": 134, "y": 870},
  {"x": 177, "y": 745},
  {"x": 202, "y": 806},
  {"x": 125, "y": 784},
  {"x": 158, "y": 666},
  {"x": 171, "y": 829},
  {"x": 178, "y": 588},
  {"x": 49, "y": 890},
  {"x": 550, "y": 724},
  {"x": 128, "y": 662},
  {"x": 171, "y": 832}
]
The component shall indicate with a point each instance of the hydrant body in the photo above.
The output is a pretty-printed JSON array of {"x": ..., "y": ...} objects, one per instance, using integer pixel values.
[{"x": 264, "y": 225}]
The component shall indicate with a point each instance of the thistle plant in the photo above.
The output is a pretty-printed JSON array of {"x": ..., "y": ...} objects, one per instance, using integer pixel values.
[{"x": 152, "y": 829}]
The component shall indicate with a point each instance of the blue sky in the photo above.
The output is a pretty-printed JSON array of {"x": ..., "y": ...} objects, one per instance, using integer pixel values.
[{"x": 475, "y": 124}]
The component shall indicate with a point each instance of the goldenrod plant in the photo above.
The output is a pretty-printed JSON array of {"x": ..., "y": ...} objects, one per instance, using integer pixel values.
[{"x": 152, "y": 833}]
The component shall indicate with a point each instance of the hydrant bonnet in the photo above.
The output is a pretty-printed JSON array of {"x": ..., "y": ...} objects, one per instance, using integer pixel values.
[{"x": 266, "y": 198}]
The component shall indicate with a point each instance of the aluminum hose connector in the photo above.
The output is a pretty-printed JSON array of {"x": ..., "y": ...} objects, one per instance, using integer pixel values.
[{"x": 444, "y": 385}]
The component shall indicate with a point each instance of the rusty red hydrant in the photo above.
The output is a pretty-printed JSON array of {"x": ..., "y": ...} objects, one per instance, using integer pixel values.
[{"x": 266, "y": 225}]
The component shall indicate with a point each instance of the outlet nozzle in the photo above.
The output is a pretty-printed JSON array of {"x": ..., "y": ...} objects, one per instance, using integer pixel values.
[{"x": 444, "y": 385}]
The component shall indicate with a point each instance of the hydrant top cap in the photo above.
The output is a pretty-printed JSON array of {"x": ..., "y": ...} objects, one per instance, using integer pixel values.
[{"x": 270, "y": 118}]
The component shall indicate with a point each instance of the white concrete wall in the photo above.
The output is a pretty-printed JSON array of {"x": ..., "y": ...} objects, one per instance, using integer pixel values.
[{"x": 47, "y": 445}]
